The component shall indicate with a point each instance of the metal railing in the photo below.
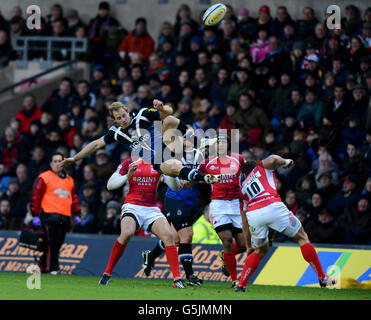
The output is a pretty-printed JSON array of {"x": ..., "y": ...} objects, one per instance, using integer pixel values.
[
  {"x": 33, "y": 78},
  {"x": 50, "y": 48}
]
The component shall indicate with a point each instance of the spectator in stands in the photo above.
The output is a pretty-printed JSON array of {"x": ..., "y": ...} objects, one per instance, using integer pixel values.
[
  {"x": 56, "y": 13},
  {"x": 350, "y": 133},
  {"x": 73, "y": 22},
  {"x": 307, "y": 24},
  {"x": 158, "y": 67},
  {"x": 220, "y": 88},
  {"x": 282, "y": 94},
  {"x": 246, "y": 23},
  {"x": 127, "y": 92},
  {"x": 87, "y": 224},
  {"x": 345, "y": 198},
  {"x": 310, "y": 113},
  {"x": 4, "y": 213},
  {"x": 60, "y": 100},
  {"x": 93, "y": 129},
  {"x": 138, "y": 40},
  {"x": 242, "y": 83},
  {"x": 98, "y": 77},
  {"x": 101, "y": 22},
  {"x": 111, "y": 224},
  {"x": 66, "y": 130},
  {"x": 282, "y": 19},
  {"x": 252, "y": 120},
  {"x": 103, "y": 166},
  {"x": 264, "y": 21},
  {"x": 6, "y": 51},
  {"x": 277, "y": 60},
  {"x": 184, "y": 110},
  {"x": 138, "y": 76},
  {"x": 34, "y": 137},
  {"x": 202, "y": 84},
  {"x": 338, "y": 108},
  {"x": 323, "y": 230},
  {"x": 11, "y": 150},
  {"x": 23, "y": 179},
  {"x": 105, "y": 90},
  {"x": 85, "y": 97},
  {"x": 18, "y": 204},
  {"x": 355, "y": 223},
  {"x": 28, "y": 113},
  {"x": 325, "y": 187},
  {"x": 16, "y": 27},
  {"x": 327, "y": 165},
  {"x": 184, "y": 14},
  {"x": 352, "y": 21},
  {"x": 38, "y": 162}
]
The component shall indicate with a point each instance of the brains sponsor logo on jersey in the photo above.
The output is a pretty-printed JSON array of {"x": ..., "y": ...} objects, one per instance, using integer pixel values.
[
  {"x": 206, "y": 265},
  {"x": 14, "y": 258}
]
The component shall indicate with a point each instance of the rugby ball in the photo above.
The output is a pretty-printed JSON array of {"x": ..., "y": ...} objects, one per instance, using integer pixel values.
[{"x": 214, "y": 14}]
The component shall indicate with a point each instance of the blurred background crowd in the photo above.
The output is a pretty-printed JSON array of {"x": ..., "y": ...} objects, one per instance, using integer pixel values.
[{"x": 291, "y": 86}]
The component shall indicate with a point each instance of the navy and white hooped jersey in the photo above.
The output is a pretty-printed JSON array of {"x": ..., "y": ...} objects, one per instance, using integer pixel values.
[
  {"x": 133, "y": 136},
  {"x": 190, "y": 159}
]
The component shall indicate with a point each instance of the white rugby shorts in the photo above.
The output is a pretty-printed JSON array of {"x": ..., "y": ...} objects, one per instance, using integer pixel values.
[
  {"x": 275, "y": 216},
  {"x": 144, "y": 215},
  {"x": 225, "y": 212}
]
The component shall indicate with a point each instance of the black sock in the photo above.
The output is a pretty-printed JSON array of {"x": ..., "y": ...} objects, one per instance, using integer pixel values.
[
  {"x": 186, "y": 258},
  {"x": 157, "y": 251},
  {"x": 191, "y": 174}
]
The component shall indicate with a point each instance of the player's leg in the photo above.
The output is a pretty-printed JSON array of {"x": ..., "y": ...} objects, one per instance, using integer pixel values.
[
  {"x": 226, "y": 236},
  {"x": 161, "y": 228},
  {"x": 128, "y": 228},
  {"x": 175, "y": 168},
  {"x": 149, "y": 257},
  {"x": 310, "y": 255}
]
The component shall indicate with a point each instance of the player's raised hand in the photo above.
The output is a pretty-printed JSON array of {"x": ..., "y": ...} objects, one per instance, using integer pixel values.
[
  {"x": 132, "y": 170},
  {"x": 158, "y": 105},
  {"x": 289, "y": 163},
  {"x": 66, "y": 162}
]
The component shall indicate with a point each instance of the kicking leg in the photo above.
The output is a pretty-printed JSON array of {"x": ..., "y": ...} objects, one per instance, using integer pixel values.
[
  {"x": 230, "y": 261},
  {"x": 310, "y": 255}
]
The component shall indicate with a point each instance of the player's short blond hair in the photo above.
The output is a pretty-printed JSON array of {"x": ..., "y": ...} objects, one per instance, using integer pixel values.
[{"x": 115, "y": 106}]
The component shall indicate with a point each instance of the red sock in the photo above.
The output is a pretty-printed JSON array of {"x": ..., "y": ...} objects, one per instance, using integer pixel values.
[
  {"x": 171, "y": 253},
  {"x": 116, "y": 253},
  {"x": 251, "y": 263},
  {"x": 230, "y": 262},
  {"x": 310, "y": 255},
  {"x": 236, "y": 250}
]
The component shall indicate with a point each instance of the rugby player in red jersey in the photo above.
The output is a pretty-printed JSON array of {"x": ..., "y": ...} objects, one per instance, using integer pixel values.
[
  {"x": 225, "y": 201},
  {"x": 140, "y": 211},
  {"x": 264, "y": 209}
]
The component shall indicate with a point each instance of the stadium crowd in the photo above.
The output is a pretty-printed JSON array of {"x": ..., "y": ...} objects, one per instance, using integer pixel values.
[{"x": 291, "y": 87}]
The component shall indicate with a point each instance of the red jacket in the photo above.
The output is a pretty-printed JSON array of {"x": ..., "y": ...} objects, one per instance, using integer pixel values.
[
  {"x": 26, "y": 118},
  {"x": 132, "y": 43},
  {"x": 68, "y": 136}
]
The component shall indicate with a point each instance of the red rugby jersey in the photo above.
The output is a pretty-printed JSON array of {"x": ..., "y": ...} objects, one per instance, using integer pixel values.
[
  {"x": 229, "y": 167},
  {"x": 259, "y": 189},
  {"x": 143, "y": 184}
]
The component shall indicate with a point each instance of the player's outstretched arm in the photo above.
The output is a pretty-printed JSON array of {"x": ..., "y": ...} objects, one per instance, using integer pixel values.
[
  {"x": 165, "y": 110},
  {"x": 85, "y": 152},
  {"x": 275, "y": 161}
]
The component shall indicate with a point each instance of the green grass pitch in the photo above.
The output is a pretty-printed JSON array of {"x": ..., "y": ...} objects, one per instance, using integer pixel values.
[{"x": 13, "y": 287}]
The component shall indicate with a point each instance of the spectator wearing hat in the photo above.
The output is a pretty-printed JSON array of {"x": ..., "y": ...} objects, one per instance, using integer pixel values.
[
  {"x": 246, "y": 23},
  {"x": 264, "y": 19},
  {"x": 306, "y": 25},
  {"x": 97, "y": 25},
  {"x": 138, "y": 40},
  {"x": 111, "y": 224},
  {"x": 347, "y": 197},
  {"x": 355, "y": 223},
  {"x": 28, "y": 113},
  {"x": 322, "y": 229}
]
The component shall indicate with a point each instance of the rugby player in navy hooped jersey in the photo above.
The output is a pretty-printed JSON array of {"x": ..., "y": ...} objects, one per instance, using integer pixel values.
[
  {"x": 225, "y": 202},
  {"x": 180, "y": 210},
  {"x": 129, "y": 130},
  {"x": 140, "y": 211},
  {"x": 264, "y": 209}
]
